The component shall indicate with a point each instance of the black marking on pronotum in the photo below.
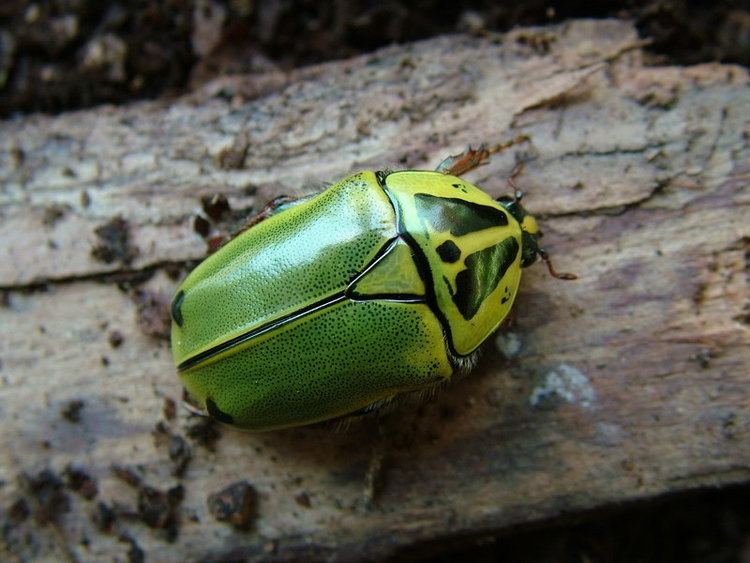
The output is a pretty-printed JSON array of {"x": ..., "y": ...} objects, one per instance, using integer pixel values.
[
  {"x": 458, "y": 216},
  {"x": 423, "y": 269},
  {"x": 506, "y": 297},
  {"x": 484, "y": 270},
  {"x": 217, "y": 413},
  {"x": 530, "y": 249},
  {"x": 449, "y": 252},
  {"x": 460, "y": 187},
  {"x": 177, "y": 308},
  {"x": 258, "y": 331},
  {"x": 447, "y": 283}
]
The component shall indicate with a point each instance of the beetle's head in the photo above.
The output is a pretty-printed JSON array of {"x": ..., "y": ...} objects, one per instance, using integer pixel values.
[
  {"x": 530, "y": 234},
  {"x": 529, "y": 227}
]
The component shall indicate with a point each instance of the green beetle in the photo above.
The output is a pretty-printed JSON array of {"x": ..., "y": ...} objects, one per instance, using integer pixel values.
[{"x": 384, "y": 283}]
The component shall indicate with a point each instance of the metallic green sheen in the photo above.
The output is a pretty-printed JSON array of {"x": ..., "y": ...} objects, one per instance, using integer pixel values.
[
  {"x": 284, "y": 264},
  {"x": 328, "y": 364},
  {"x": 328, "y": 361}
]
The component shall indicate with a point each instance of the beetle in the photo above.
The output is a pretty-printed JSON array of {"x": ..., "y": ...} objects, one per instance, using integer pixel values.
[{"x": 332, "y": 304}]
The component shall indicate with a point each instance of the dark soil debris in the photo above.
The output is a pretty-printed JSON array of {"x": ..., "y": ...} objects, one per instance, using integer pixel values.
[
  {"x": 158, "y": 509},
  {"x": 60, "y": 55},
  {"x": 114, "y": 242},
  {"x": 155, "y": 507},
  {"x": 173, "y": 271},
  {"x": 135, "y": 553},
  {"x": 170, "y": 408},
  {"x": 53, "y": 213},
  {"x": 116, "y": 339},
  {"x": 18, "y": 511},
  {"x": 78, "y": 480},
  {"x": 303, "y": 499},
  {"x": 126, "y": 475},
  {"x": 153, "y": 314},
  {"x": 216, "y": 206},
  {"x": 201, "y": 226},
  {"x": 103, "y": 517},
  {"x": 204, "y": 432},
  {"x": 50, "y": 500},
  {"x": 71, "y": 411},
  {"x": 128, "y": 281},
  {"x": 180, "y": 453},
  {"x": 235, "y": 504}
]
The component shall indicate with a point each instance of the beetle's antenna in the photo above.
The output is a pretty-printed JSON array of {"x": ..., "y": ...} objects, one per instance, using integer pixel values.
[{"x": 552, "y": 272}]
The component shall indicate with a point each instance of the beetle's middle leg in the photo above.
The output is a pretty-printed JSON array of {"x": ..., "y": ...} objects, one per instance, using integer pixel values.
[
  {"x": 470, "y": 159},
  {"x": 375, "y": 469},
  {"x": 271, "y": 208},
  {"x": 219, "y": 239}
]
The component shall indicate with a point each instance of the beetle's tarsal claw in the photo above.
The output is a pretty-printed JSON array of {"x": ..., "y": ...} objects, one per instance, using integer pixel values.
[
  {"x": 191, "y": 404},
  {"x": 552, "y": 272}
]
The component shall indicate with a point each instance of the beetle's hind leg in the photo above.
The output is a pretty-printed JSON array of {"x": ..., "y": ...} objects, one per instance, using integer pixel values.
[
  {"x": 470, "y": 159},
  {"x": 373, "y": 417},
  {"x": 374, "y": 475}
]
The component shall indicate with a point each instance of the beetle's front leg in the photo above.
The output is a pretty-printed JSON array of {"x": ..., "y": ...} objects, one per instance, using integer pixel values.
[{"x": 470, "y": 159}]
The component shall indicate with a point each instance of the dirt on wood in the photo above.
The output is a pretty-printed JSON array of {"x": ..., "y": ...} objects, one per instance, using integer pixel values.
[{"x": 628, "y": 384}]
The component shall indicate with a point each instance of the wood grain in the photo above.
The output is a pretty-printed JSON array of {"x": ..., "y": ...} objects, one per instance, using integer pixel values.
[{"x": 630, "y": 383}]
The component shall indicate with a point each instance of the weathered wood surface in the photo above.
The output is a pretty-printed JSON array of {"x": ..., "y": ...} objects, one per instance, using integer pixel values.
[{"x": 629, "y": 383}]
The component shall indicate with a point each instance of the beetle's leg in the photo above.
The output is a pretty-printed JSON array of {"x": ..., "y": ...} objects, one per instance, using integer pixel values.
[
  {"x": 274, "y": 207},
  {"x": 552, "y": 272},
  {"x": 216, "y": 241},
  {"x": 271, "y": 208},
  {"x": 191, "y": 405},
  {"x": 470, "y": 159},
  {"x": 374, "y": 474}
]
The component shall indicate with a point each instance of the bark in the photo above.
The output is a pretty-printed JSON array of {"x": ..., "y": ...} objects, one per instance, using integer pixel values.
[{"x": 629, "y": 383}]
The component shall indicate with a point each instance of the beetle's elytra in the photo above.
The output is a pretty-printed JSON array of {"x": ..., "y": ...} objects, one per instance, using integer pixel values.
[{"x": 384, "y": 283}]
